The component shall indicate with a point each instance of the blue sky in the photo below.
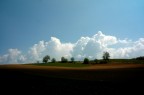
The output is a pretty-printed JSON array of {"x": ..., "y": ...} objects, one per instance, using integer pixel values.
[{"x": 24, "y": 23}]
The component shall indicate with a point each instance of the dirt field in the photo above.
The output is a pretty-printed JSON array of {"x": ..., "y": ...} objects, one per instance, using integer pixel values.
[
  {"x": 94, "y": 72},
  {"x": 92, "y": 67},
  {"x": 114, "y": 79}
]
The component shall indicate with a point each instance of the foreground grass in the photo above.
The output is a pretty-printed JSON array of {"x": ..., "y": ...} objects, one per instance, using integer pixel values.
[{"x": 61, "y": 64}]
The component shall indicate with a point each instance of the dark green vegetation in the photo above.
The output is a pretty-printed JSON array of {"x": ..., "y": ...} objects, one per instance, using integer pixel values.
[
  {"x": 72, "y": 63},
  {"x": 64, "y": 60},
  {"x": 53, "y": 60},
  {"x": 76, "y": 64},
  {"x": 106, "y": 56},
  {"x": 127, "y": 61},
  {"x": 88, "y": 62},
  {"x": 140, "y": 58},
  {"x": 46, "y": 58},
  {"x": 72, "y": 59}
]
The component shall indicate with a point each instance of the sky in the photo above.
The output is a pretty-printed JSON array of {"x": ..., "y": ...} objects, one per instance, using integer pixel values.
[{"x": 31, "y": 29}]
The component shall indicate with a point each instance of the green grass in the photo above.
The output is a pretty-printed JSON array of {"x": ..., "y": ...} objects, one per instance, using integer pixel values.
[
  {"x": 62, "y": 64},
  {"x": 79, "y": 64},
  {"x": 129, "y": 61}
]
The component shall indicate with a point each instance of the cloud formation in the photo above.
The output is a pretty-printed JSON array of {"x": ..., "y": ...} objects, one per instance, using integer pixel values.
[
  {"x": 54, "y": 48},
  {"x": 91, "y": 47},
  {"x": 13, "y": 56}
]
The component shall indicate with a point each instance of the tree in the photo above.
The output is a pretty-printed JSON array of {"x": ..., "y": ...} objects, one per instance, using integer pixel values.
[
  {"x": 46, "y": 58},
  {"x": 72, "y": 59},
  {"x": 53, "y": 60},
  {"x": 106, "y": 56},
  {"x": 140, "y": 58},
  {"x": 64, "y": 60},
  {"x": 86, "y": 61},
  {"x": 96, "y": 61}
]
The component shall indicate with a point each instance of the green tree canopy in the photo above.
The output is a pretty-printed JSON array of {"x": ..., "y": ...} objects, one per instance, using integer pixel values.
[
  {"x": 53, "y": 60},
  {"x": 72, "y": 59},
  {"x": 64, "y": 60},
  {"x": 86, "y": 61},
  {"x": 46, "y": 58},
  {"x": 106, "y": 56}
]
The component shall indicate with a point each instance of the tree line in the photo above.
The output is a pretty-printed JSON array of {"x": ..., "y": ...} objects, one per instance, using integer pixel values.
[{"x": 106, "y": 57}]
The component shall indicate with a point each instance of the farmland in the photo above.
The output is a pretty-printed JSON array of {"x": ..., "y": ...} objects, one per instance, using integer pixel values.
[
  {"x": 78, "y": 64},
  {"x": 69, "y": 78}
]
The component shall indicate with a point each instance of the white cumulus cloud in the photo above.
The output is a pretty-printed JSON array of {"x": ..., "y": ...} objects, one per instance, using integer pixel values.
[
  {"x": 91, "y": 47},
  {"x": 13, "y": 56},
  {"x": 54, "y": 48}
]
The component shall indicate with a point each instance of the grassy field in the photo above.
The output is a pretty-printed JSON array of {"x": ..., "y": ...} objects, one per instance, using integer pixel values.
[
  {"x": 127, "y": 61},
  {"x": 79, "y": 64},
  {"x": 61, "y": 64}
]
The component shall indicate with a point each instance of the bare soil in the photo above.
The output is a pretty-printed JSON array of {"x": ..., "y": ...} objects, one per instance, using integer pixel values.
[
  {"x": 92, "y": 67},
  {"x": 101, "y": 79}
]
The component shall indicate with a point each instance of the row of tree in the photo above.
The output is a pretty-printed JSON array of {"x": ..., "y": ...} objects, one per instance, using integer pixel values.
[
  {"x": 53, "y": 60},
  {"x": 105, "y": 57},
  {"x": 140, "y": 58}
]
